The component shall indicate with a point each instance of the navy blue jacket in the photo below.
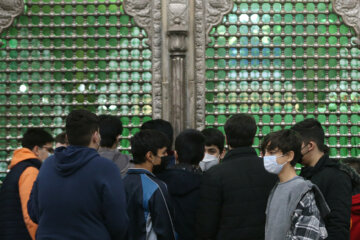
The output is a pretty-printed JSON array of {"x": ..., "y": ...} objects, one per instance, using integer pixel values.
[
  {"x": 183, "y": 182},
  {"x": 78, "y": 195},
  {"x": 149, "y": 208}
]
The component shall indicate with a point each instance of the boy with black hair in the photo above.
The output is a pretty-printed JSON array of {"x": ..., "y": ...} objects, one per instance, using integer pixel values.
[
  {"x": 110, "y": 130},
  {"x": 183, "y": 181},
  {"x": 78, "y": 194},
  {"x": 326, "y": 173},
  {"x": 15, "y": 222},
  {"x": 234, "y": 193},
  {"x": 149, "y": 210},
  {"x": 292, "y": 211},
  {"x": 214, "y": 148},
  {"x": 166, "y": 128}
]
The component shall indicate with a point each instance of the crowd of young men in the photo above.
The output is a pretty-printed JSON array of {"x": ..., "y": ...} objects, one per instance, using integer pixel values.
[{"x": 88, "y": 190}]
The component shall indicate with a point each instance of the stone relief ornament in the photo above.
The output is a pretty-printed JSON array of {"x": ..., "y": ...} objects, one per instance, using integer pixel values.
[
  {"x": 178, "y": 15},
  {"x": 215, "y": 11},
  {"x": 349, "y": 10},
  {"x": 9, "y": 10},
  {"x": 141, "y": 11}
]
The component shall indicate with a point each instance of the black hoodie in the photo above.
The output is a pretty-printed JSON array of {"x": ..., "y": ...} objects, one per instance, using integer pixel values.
[
  {"x": 336, "y": 186},
  {"x": 183, "y": 182}
]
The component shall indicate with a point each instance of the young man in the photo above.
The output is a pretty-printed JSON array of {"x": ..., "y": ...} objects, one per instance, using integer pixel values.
[
  {"x": 147, "y": 197},
  {"x": 214, "y": 148},
  {"x": 78, "y": 194},
  {"x": 183, "y": 181},
  {"x": 292, "y": 211},
  {"x": 334, "y": 183},
  {"x": 110, "y": 131},
  {"x": 15, "y": 222},
  {"x": 166, "y": 128},
  {"x": 234, "y": 193}
]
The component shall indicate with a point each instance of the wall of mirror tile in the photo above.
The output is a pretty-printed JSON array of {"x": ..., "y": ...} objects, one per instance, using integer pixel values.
[
  {"x": 62, "y": 55},
  {"x": 283, "y": 61}
]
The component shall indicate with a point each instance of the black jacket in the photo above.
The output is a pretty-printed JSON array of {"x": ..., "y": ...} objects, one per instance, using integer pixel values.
[
  {"x": 183, "y": 182},
  {"x": 233, "y": 198},
  {"x": 12, "y": 225},
  {"x": 336, "y": 187}
]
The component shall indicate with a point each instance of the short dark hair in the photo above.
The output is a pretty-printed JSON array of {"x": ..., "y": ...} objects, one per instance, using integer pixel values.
[
  {"x": 190, "y": 146},
  {"x": 285, "y": 140},
  {"x": 162, "y": 126},
  {"x": 311, "y": 130},
  {"x": 240, "y": 130},
  {"x": 145, "y": 141},
  {"x": 110, "y": 128},
  {"x": 215, "y": 137},
  {"x": 61, "y": 138},
  {"x": 35, "y": 137},
  {"x": 80, "y": 126},
  {"x": 353, "y": 162}
]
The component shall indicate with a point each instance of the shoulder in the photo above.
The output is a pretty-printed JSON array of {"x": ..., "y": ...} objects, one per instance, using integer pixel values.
[{"x": 334, "y": 174}]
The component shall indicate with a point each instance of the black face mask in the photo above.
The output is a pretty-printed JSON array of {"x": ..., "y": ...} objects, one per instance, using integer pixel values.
[{"x": 162, "y": 166}]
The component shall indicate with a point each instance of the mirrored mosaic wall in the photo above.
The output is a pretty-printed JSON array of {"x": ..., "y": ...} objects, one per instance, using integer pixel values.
[
  {"x": 62, "y": 55},
  {"x": 283, "y": 61}
]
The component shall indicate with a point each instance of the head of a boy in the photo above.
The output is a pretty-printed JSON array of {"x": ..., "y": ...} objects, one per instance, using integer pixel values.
[
  {"x": 149, "y": 146},
  {"x": 214, "y": 142},
  {"x": 284, "y": 144},
  {"x": 189, "y": 147}
]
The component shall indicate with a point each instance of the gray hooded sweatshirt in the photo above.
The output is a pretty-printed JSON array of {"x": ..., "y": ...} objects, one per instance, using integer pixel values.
[{"x": 121, "y": 160}]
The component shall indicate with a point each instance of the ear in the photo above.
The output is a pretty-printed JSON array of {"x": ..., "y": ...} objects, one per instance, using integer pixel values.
[
  {"x": 176, "y": 155},
  {"x": 312, "y": 145},
  {"x": 94, "y": 137},
  {"x": 291, "y": 155},
  {"x": 36, "y": 150},
  {"x": 222, "y": 154},
  {"x": 149, "y": 156}
]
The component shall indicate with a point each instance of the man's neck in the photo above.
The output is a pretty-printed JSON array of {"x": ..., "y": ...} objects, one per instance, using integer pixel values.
[
  {"x": 145, "y": 165},
  {"x": 287, "y": 173}
]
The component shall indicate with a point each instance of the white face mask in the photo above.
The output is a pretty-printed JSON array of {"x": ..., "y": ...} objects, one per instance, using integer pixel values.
[
  {"x": 271, "y": 165},
  {"x": 209, "y": 158}
]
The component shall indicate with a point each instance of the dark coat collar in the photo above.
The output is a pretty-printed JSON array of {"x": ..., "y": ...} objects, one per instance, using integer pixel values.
[{"x": 240, "y": 152}]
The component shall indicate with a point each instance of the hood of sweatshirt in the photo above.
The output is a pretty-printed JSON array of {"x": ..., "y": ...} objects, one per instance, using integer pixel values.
[
  {"x": 20, "y": 155},
  {"x": 70, "y": 159}
]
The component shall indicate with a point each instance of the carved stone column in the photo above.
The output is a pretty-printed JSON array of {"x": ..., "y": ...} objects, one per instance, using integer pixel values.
[{"x": 178, "y": 22}]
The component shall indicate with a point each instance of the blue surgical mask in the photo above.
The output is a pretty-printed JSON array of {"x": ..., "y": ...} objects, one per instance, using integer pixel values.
[{"x": 271, "y": 164}]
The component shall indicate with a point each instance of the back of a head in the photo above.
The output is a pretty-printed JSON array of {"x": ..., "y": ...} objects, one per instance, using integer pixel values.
[
  {"x": 161, "y": 126},
  {"x": 215, "y": 137},
  {"x": 285, "y": 141},
  {"x": 145, "y": 141},
  {"x": 240, "y": 130},
  {"x": 36, "y": 137},
  {"x": 110, "y": 128},
  {"x": 190, "y": 146},
  {"x": 80, "y": 126},
  {"x": 311, "y": 130},
  {"x": 61, "y": 138}
]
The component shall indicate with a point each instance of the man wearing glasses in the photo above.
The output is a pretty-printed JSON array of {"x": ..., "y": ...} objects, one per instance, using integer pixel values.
[{"x": 15, "y": 222}]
